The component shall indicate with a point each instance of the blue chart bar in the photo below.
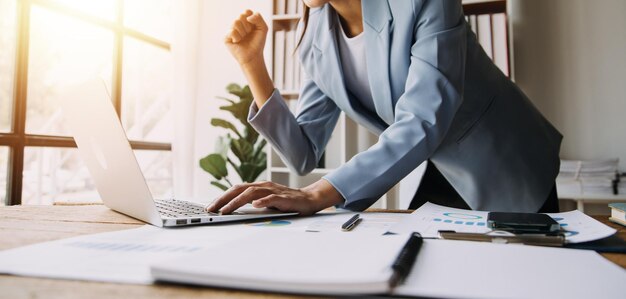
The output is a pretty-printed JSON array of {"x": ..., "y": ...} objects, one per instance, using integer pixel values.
[
  {"x": 129, "y": 247},
  {"x": 459, "y": 222}
]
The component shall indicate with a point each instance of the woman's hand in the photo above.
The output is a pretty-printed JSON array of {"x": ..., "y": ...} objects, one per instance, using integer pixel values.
[
  {"x": 305, "y": 201},
  {"x": 246, "y": 39}
]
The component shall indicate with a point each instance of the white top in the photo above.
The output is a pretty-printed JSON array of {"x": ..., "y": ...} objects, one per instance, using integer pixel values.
[{"x": 353, "y": 63}]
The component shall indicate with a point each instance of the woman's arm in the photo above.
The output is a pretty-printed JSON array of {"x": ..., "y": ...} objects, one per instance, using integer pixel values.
[
  {"x": 245, "y": 42},
  {"x": 300, "y": 141}
]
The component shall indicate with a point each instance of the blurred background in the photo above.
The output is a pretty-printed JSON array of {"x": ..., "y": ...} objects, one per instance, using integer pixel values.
[{"x": 164, "y": 63}]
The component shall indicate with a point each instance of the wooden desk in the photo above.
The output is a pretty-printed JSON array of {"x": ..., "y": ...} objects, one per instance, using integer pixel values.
[{"x": 24, "y": 225}]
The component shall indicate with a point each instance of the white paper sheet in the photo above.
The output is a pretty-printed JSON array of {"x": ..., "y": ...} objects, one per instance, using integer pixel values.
[
  {"x": 372, "y": 223},
  {"x": 580, "y": 227},
  {"x": 461, "y": 269},
  {"x": 430, "y": 218},
  {"x": 121, "y": 256},
  {"x": 125, "y": 256}
]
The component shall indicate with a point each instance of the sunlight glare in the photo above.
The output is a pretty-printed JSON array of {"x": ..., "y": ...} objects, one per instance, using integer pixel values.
[{"x": 100, "y": 8}]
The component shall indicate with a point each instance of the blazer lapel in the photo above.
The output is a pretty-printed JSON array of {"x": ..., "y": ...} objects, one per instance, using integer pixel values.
[
  {"x": 328, "y": 64},
  {"x": 377, "y": 16}
]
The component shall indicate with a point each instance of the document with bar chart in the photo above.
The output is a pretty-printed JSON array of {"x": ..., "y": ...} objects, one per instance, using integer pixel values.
[{"x": 431, "y": 218}]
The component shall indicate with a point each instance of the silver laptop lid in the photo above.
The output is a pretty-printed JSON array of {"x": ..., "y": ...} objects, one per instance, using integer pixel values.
[{"x": 104, "y": 147}]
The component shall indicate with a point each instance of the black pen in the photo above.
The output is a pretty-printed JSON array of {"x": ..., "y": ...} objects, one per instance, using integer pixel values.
[
  {"x": 404, "y": 262},
  {"x": 351, "y": 223}
]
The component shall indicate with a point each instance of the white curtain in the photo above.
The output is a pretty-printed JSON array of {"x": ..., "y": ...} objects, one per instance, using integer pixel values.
[{"x": 186, "y": 16}]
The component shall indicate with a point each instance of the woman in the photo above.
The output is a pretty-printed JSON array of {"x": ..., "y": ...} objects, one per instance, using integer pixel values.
[{"x": 412, "y": 72}]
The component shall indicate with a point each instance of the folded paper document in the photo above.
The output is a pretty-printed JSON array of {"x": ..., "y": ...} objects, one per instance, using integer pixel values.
[{"x": 430, "y": 218}]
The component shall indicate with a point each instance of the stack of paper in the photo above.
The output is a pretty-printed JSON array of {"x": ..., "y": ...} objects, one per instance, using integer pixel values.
[
  {"x": 587, "y": 177},
  {"x": 621, "y": 184}
]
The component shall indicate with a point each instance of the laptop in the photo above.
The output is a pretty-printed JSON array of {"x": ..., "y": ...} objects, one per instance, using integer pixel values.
[{"x": 104, "y": 147}]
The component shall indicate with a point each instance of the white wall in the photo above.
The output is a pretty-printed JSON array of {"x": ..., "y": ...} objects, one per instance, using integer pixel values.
[
  {"x": 216, "y": 68},
  {"x": 570, "y": 59}
]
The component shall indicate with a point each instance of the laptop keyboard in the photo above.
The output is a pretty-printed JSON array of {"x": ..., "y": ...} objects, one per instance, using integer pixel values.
[{"x": 180, "y": 209}]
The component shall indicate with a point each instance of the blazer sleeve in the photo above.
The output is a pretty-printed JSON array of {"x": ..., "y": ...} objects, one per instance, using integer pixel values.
[
  {"x": 423, "y": 113},
  {"x": 300, "y": 141}
]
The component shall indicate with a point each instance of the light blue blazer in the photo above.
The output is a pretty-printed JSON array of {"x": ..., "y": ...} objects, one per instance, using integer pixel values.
[{"x": 437, "y": 95}]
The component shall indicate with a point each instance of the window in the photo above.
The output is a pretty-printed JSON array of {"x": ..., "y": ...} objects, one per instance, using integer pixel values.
[
  {"x": 4, "y": 160},
  {"x": 56, "y": 175},
  {"x": 50, "y": 44},
  {"x": 7, "y": 59},
  {"x": 62, "y": 50}
]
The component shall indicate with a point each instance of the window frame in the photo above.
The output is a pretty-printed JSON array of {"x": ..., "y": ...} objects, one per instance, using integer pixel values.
[{"x": 17, "y": 139}]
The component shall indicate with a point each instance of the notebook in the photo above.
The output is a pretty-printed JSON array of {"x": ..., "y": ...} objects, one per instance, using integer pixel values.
[
  {"x": 303, "y": 263},
  {"x": 359, "y": 264}
]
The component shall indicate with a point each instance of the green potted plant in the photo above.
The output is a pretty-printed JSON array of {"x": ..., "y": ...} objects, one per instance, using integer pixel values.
[{"x": 248, "y": 158}]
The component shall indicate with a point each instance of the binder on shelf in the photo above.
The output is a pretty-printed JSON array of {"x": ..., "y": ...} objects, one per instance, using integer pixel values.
[
  {"x": 297, "y": 70},
  {"x": 279, "y": 59},
  {"x": 280, "y": 7},
  {"x": 300, "y": 7},
  {"x": 483, "y": 27},
  {"x": 292, "y": 6},
  {"x": 289, "y": 60}
]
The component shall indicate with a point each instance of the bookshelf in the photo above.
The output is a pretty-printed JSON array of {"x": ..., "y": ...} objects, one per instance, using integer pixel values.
[{"x": 347, "y": 139}]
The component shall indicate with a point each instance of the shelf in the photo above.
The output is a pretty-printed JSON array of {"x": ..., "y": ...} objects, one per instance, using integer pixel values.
[
  {"x": 290, "y": 92},
  {"x": 289, "y": 17},
  {"x": 315, "y": 171},
  {"x": 592, "y": 197}
]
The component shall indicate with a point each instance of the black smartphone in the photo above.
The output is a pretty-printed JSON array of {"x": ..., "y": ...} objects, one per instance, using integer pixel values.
[{"x": 522, "y": 223}]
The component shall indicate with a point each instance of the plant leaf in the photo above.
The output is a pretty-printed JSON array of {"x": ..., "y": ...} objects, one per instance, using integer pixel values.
[
  {"x": 219, "y": 185},
  {"x": 251, "y": 171},
  {"x": 239, "y": 110},
  {"x": 215, "y": 165},
  {"x": 242, "y": 149},
  {"x": 259, "y": 149},
  {"x": 250, "y": 134},
  {"x": 234, "y": 89},
  {"x": 218, "y": 122},
  {"x": 236, "y": 168},
  {"x": 225, "y": 99},
  {"x": 222, "y": 145}
]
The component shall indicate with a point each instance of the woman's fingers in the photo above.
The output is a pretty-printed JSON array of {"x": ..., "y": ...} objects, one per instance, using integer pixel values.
[
  {"x": 247, "y": 26},
  {"x": 235, "y": 37},
  {"x": 231, "y": 193},
  {"x": 236, "y": 191},
  {"x": 252, "y": 193},
  {"x": 274, "y": 201},
  {"x": 242, "y": 27},
  {"x": 257, "y": 20}
]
